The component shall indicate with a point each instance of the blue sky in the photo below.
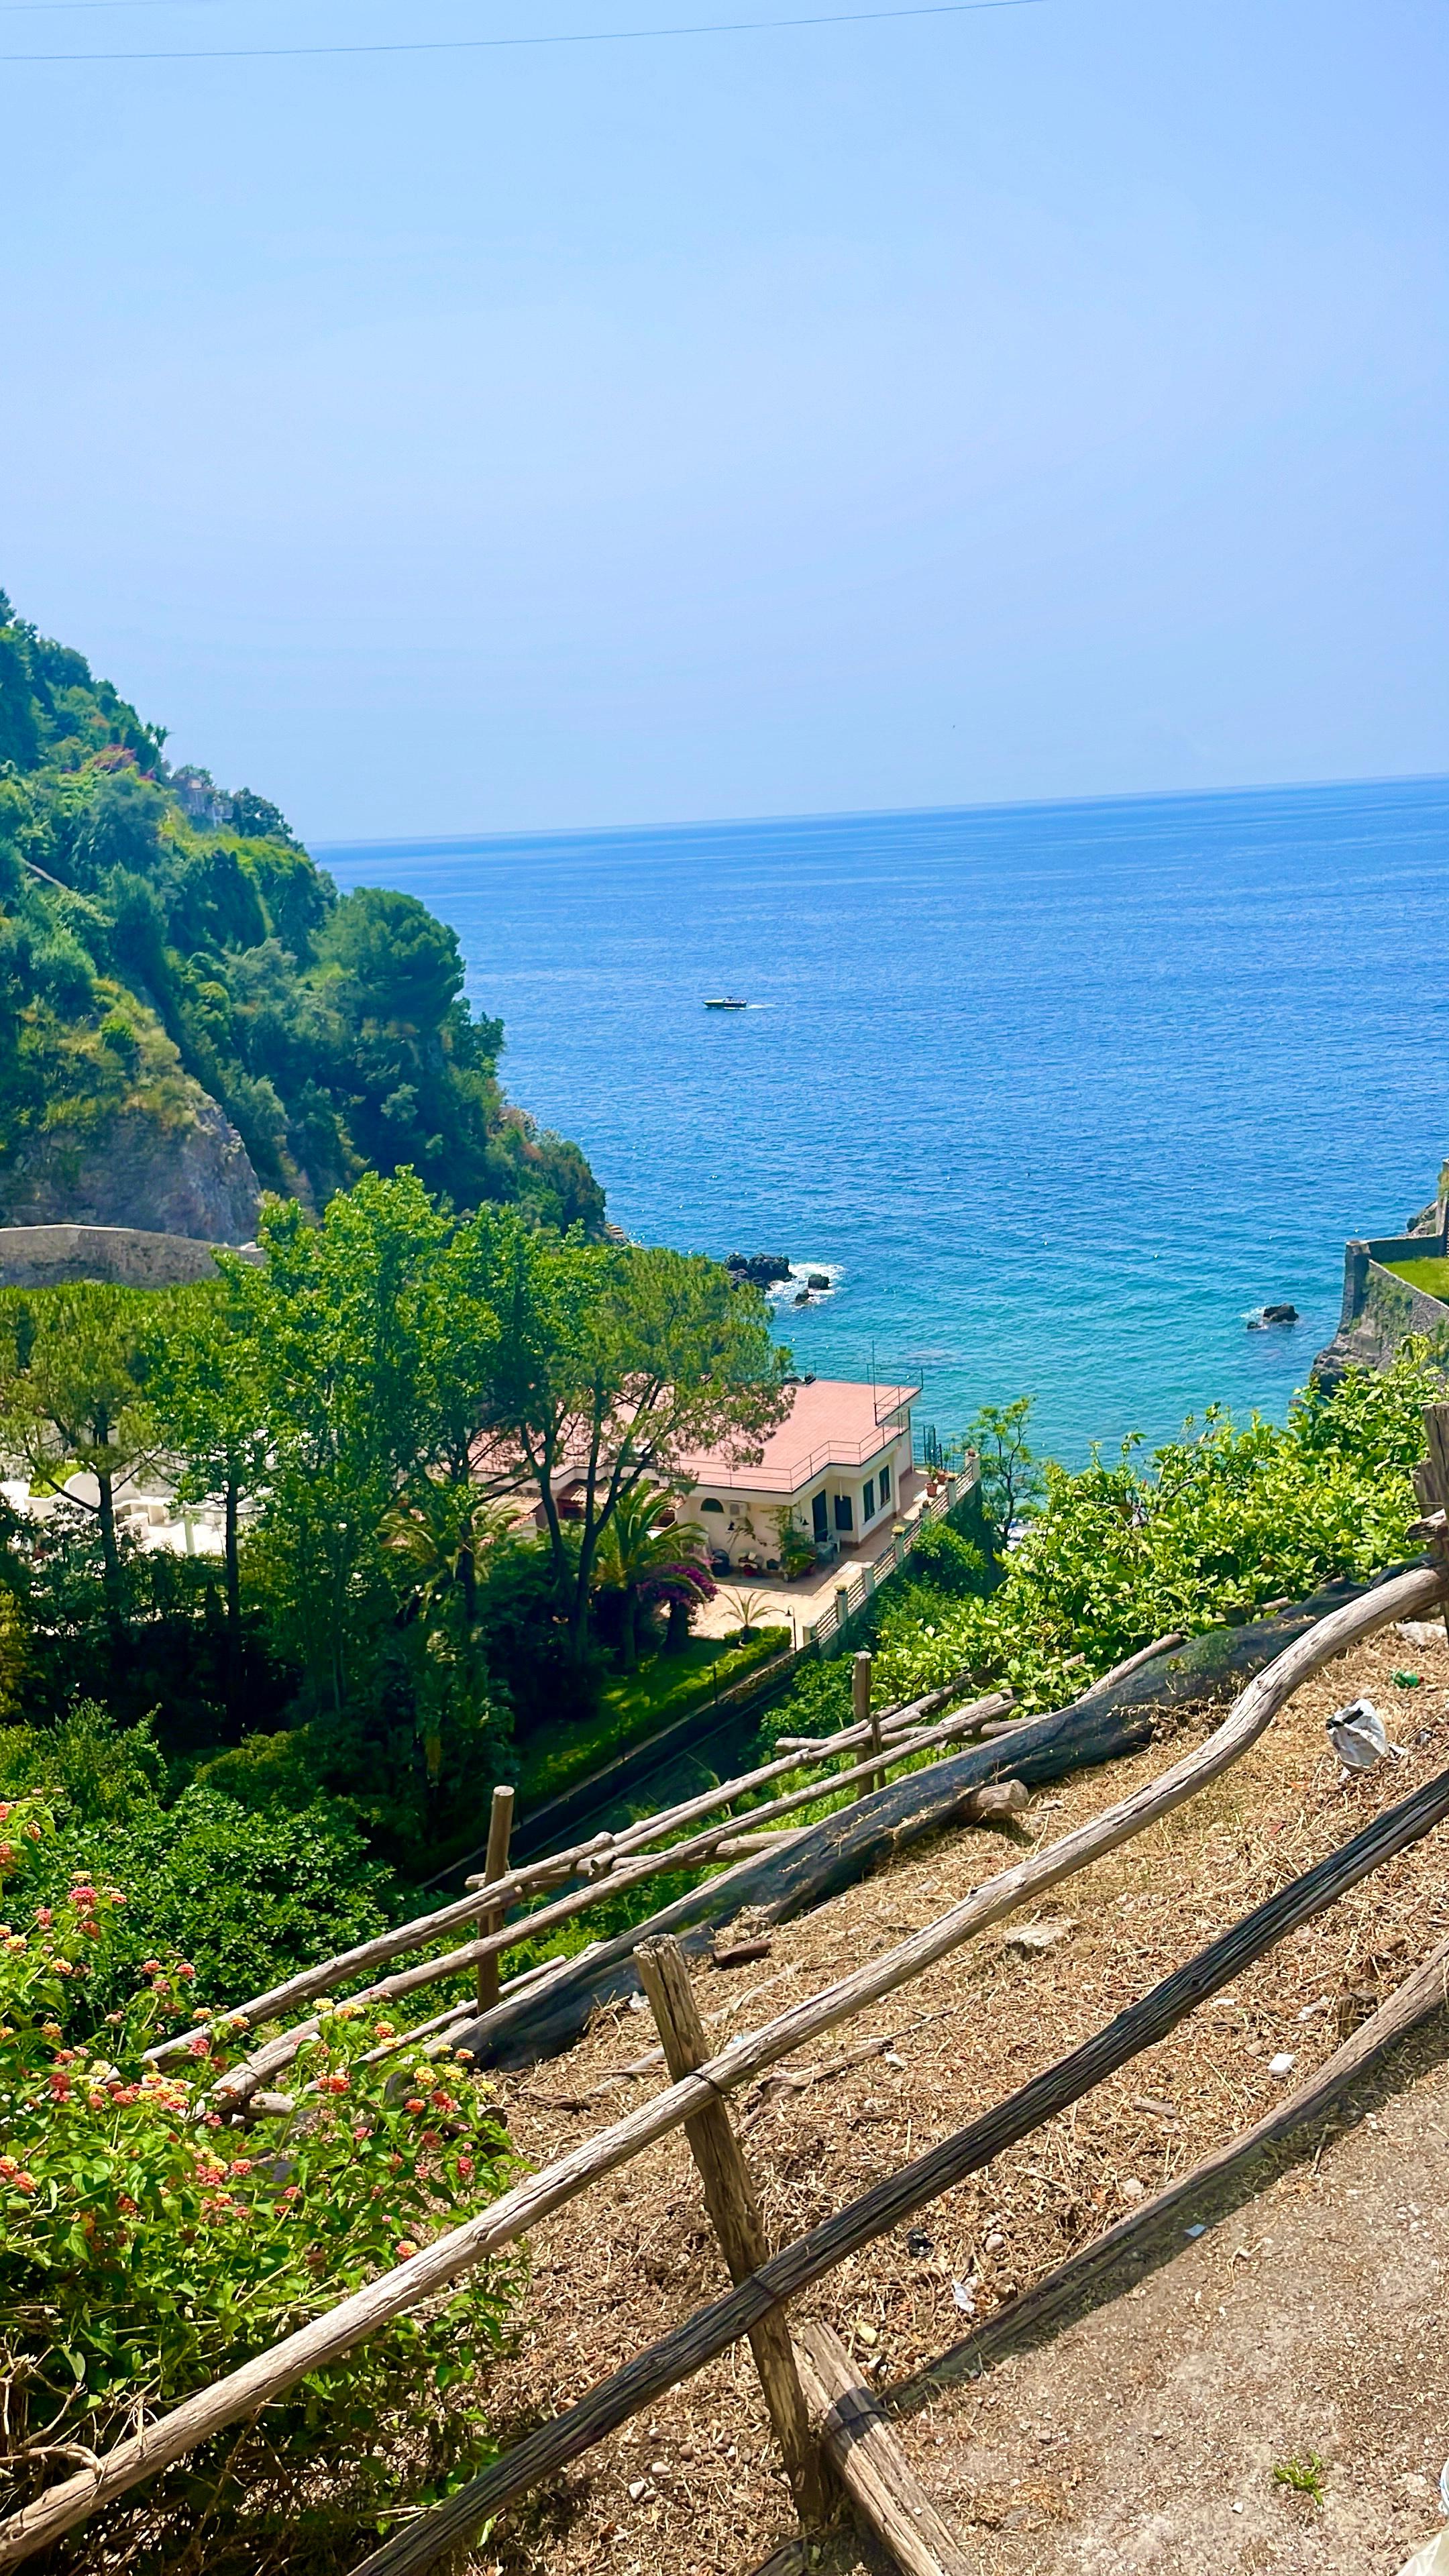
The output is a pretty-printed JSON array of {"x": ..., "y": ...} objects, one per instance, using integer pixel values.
[{"x": 1024, "y": 404}]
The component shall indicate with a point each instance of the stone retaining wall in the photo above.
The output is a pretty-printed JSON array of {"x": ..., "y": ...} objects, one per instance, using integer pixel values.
[{"x": 51, "y": 1256}]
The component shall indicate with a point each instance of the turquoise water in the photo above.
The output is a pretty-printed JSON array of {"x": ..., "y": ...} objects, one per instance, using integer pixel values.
[{"x": 1057, "y": 1094}]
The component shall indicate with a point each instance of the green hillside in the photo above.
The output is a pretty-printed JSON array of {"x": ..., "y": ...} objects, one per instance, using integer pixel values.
[{"x": 167, "y": 949}]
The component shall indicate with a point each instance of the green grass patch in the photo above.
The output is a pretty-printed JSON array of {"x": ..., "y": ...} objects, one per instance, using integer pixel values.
[
  {"x": 635, "y": 1707},
  {"x": 1430, "y": 1275}
]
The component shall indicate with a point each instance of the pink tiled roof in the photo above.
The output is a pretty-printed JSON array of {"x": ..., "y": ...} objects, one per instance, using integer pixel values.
[{"x": 832, "y": 1423}]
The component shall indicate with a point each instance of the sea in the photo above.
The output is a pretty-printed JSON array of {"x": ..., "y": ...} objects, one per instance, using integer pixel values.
[{"x": 1056, "y": 1097}]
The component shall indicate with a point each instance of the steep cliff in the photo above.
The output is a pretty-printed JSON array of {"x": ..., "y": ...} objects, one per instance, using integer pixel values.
[{"x": 190, "y": 1013}]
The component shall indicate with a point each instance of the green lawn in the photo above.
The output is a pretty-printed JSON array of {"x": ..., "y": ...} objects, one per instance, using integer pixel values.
[
  {"x": 1431, "y": 1275},
  {"x": 636, "y": 1706}
]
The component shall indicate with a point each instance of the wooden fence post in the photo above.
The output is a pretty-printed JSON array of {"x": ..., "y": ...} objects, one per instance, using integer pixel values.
[
  {"x": 861, "y": 1712},
  {"x": 500, "y": 1834},
  {"x": 1431, "y": 1482},
  {"x": 733, "y": 2207}
]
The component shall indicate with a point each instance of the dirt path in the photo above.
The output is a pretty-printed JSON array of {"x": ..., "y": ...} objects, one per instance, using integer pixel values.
[
  {"x": 1311, "y": 2320},
  {"x": 1171, "y": 2413}
]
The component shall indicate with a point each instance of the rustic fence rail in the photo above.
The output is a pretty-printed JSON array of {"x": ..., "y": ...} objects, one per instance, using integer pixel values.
[
  {"x": 711, "y": 2330},
  {"x": 354, "y": 2319}
]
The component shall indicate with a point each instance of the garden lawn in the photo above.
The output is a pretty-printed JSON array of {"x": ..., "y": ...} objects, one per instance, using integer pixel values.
[
  {"x": 1430, "y": 1275},
  {"x": 635, "y": 1707}
]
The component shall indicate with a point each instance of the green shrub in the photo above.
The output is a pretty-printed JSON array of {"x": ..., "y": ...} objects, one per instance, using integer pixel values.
[{"x": 145, "y": 2249}]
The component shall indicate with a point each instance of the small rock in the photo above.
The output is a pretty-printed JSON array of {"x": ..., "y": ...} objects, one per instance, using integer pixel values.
[
  {"x": 816, "y": 1279},
  {"x": 865, "y": 2331},
  {"x": 1278, "y": 1315},
  {"x": 1132, "y": 2189},
  {"x": 1283, "y": 2064},
  {"x": 994, "y": 2242},
  {"x": 659, "y": 2468},
  {"x": 638, "y": 2488},
  {"x": 1032, "y": 1938}
]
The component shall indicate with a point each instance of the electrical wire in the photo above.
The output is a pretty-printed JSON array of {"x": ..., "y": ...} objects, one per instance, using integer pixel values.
[{"x": 509, "y": 44}]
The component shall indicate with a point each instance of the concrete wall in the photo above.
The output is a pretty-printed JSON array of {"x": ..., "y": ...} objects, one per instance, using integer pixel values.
[
  {"x": 1380, "y": 1311},
  {"x": 51, "y": 1256}
]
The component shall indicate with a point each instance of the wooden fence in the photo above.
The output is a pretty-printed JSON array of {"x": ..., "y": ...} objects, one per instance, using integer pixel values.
[{"x": 696, "y": 2098}]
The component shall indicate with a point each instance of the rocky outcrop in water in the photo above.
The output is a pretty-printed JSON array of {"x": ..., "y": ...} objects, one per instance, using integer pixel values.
[{"x": 761, "y": 1269}]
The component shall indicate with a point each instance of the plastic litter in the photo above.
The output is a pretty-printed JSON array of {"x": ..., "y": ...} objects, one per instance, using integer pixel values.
[
  {"x": 965, "y": 2297},
  {"x": 1444, "y": 2489},
  {"x": 1283, "y": 2064},
  {"x": 1358, "y": 1735}
]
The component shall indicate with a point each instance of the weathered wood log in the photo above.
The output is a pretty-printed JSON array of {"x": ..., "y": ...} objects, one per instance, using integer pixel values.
[
  {"x": 846, "y": 1846},
  {"x": 739, "y": 1846},
  {"x": 631, "y": 1871},
  {"x": 364, "y": 2312},
  {"x": 1097, "y": 2268},
  {"x": 1144, "y": 1655},
  {"x": 710, "y": 2331},
  {"x": 730, "y": 2198},
  {"x": 325, "y": 1975},
  {"x": 873, "y": 2469}
]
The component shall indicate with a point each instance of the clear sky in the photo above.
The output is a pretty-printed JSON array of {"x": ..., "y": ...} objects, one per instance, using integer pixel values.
[{"x": 1042, "y": 401}]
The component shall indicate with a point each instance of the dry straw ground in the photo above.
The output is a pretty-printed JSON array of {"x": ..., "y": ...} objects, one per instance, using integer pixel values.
[{"x": 693, "y": 2489}]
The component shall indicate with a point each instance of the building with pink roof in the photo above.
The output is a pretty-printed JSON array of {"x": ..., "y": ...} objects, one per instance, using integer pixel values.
[{"x": 839, "y": 1464}]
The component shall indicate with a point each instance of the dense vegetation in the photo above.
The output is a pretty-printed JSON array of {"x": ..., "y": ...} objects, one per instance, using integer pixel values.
[
  {"x": 1201, "y": 1533},
  {"x": 386, "y": 1630},
  {"x": 162, "y": 943},
  {"x": 143, "y": 2252}
]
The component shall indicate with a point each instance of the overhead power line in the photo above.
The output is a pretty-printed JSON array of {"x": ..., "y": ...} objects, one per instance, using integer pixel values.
[{"x": 510, "y": 44}]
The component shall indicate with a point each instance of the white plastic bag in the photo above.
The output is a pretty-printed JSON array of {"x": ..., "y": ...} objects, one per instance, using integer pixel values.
[{"x": 1431, "y": 2560}]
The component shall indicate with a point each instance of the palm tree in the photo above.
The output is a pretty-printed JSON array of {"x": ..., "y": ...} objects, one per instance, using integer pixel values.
[
  {"x": 649, "y": 1558},
  {"x": 443, "y": 1533}
]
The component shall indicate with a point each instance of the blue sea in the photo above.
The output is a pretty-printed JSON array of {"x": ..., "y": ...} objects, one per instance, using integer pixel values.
[{"x": 1056, "y": 1095}]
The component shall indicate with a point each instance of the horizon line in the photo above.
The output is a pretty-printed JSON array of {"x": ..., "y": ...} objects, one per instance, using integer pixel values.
[{"x": 431, "y": 844}]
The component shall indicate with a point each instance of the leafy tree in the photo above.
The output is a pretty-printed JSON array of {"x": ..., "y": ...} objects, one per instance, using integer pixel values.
[
  {"x": 204, "y": 1392},
  {"x": 1011, "y": 1480},
  {"x": 72, "y": 1398},
  {"x": 331, "y": 1323},
  {"x": 613, "y": 1365}
]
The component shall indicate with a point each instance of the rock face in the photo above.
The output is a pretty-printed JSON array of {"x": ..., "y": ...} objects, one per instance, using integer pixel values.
[
  {"x": 189, "y": 1175},
  {"x": 762, "y": 1269},
  {"x": 52, "y": 1256}
]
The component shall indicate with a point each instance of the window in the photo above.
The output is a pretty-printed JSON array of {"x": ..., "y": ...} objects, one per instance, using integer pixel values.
[
  {"x": 710, "y": 1505},
  {"x": 844, "y": 1516},
  {"x": 819, "y": 1515},
  {"x": 885, "y": 1487},
  {"x": 867, "y": 1500}
]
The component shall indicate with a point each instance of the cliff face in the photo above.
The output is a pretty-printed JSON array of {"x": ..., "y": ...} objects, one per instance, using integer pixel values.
[
  {"x": 184, "y": 1172},
  {"x": 189, "y": 1008}
]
